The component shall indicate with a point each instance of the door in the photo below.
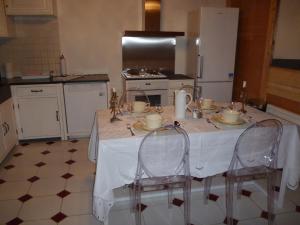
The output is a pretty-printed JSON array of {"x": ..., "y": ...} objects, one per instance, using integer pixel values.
[
  {"x": 43, "y": 113},
  {"x": 254, "y": 47},
  {"x": 218, "y": 91},
  {"x": 217, "y": 46},
  {"x": 82, "y": 100},
  {"x": 8, "y": 119}
]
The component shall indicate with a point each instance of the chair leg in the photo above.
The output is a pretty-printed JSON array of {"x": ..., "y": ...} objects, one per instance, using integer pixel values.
[
  {"x": 170, "y": 196},
  {"x": 239, "y": 188},
  {"x": 271, "y": 196},
  {"x": 207, "y": 186},
  {"x": 132, "y": 198},
  {"x": 138, "y": 207},
  {"x": 187, "y": 202},
  {"x": 229, "y": 199}
]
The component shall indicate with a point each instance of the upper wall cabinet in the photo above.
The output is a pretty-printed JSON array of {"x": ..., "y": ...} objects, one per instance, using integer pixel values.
[
  {"x": 6, "y": 27},
  {"x": 30, "y": 7}
]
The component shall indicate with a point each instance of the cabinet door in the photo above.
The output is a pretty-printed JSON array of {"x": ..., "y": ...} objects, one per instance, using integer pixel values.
[
  {"x": 3, "y": 22},
  {"x": 82, "y": 100},
  {"x": 39, "y": 117},
  {"x": 8, "y": 119},
  {"x": 29, "y": 7}
]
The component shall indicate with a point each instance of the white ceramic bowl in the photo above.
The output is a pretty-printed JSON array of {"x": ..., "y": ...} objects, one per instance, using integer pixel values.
[
  {"x": 231, "y": 116},
  {"x": 207, "y": 103},
  {"x": 138, "y": 106},
  {"x": 153, "y": 121}
]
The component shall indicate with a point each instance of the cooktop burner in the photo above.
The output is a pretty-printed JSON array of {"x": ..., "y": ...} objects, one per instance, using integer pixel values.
[{"x": 142, "y": 74}]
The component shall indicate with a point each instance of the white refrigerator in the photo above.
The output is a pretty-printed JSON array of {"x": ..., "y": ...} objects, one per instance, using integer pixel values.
[{"x": 212, "y": 36}]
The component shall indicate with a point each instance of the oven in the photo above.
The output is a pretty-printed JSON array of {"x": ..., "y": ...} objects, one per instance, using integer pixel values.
[{"x": 155, "y": 90}]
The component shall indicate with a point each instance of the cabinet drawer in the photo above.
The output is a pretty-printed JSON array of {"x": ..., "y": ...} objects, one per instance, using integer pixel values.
[
  {"x": 175, "y": 84},
  {"x": 36, "y": 91}
]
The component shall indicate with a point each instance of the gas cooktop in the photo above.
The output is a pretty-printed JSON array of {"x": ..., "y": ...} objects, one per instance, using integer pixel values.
[{"x": 143, "y": 74}]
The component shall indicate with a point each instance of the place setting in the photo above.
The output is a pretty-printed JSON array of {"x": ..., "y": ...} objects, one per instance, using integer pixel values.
[{"x": 231, "y": 117}]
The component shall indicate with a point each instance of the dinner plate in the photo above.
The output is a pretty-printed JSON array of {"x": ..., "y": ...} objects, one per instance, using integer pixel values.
[
  {"x": 212, "y": 107},
  {"x": 139, "y": 125},
  {"x": 220, "y": 119}
]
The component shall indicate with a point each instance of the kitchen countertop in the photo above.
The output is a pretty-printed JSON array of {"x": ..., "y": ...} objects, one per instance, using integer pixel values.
[{"x": 55, "y": 80}]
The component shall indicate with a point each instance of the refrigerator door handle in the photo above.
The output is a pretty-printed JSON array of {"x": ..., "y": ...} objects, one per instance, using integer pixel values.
[
  {"x": 198, "y": 92},
  {"x": 201, "y": 66}
]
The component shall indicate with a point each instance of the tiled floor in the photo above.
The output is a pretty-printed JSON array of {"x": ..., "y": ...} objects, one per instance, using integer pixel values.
[{"x": 48, "y": 183}]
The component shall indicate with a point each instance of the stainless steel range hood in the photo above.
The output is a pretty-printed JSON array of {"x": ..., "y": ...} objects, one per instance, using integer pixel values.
[{"x": 152, "y": 22}]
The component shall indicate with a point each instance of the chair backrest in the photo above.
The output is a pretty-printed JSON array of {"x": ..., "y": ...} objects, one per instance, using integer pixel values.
[
  {"x": 164, "y": 152},
  {"x": 258, "y": 145}
]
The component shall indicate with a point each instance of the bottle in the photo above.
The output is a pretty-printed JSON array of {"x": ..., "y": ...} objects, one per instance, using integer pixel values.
[{"x": 63, "y": 65}]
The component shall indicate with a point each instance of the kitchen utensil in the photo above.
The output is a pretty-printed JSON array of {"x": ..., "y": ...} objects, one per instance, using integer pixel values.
[
  {"x": 130, "y": 129},
  {"x": 180, "y": 103}
]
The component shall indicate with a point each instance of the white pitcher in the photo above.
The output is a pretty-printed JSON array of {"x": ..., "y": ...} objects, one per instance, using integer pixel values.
[{"x": 180, "y": 103}]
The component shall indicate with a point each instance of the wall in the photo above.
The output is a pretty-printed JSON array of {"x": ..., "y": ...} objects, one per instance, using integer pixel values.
[
  {"x": 287, "y": 37},
  {"x": 283, "y": 89},
  {"x": 91, "y": 31},
  {"x": 90, "y": 34},
  {"x": 35, "y": 48}
]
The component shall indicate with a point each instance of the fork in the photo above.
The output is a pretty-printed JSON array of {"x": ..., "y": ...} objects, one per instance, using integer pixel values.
[{"x": 130, "y": 129}]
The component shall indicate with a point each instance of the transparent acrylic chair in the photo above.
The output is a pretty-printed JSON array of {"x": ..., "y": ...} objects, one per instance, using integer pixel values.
[
  {"x": 163, "y": 164},
  {"x": 254, "y": 157}
]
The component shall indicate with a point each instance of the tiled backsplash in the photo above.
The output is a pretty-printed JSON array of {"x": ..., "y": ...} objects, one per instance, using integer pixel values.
[{"x": 35, "y": 48}]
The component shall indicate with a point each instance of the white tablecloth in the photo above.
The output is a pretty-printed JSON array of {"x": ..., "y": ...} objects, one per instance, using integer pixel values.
[{"x": 115, "y": 151}]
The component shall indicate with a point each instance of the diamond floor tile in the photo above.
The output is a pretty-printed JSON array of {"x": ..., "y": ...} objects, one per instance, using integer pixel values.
[
  {"x": 25, "y": 198},
  {"x": 63, "y": 193},
  {"x": 58, "y": 217},
  {"x": 15, "y": 221}
]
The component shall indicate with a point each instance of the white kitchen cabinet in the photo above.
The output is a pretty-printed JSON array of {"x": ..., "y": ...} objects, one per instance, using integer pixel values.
[
  {"x": 30, "y": 7},
  {"x": 82, "y": 100},
  {"x": 40, "y": 111},
  {"x": 176, "y": 85},
  {"x": 8, "y": 135},
  {"x": 6, "y": 26}
]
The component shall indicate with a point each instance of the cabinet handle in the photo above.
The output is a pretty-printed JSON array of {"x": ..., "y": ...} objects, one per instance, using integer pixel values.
[
  {"x": 147, "y": 83},
  {"x": 4, "y": 129},
  {"x": 101, "y": 94},
  {"x": 201, "y": 66},
  {"x": 35, "y": 91},
  {"x": 57, "y": 116},
  {"x": 8, "y": 128}
]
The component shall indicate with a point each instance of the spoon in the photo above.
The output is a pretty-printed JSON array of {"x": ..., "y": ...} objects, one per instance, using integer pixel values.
[{"x": 129, "y": 128}]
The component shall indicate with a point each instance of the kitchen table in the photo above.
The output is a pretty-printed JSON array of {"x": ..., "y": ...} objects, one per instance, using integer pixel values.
[{"x": 211, "y": 148}]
